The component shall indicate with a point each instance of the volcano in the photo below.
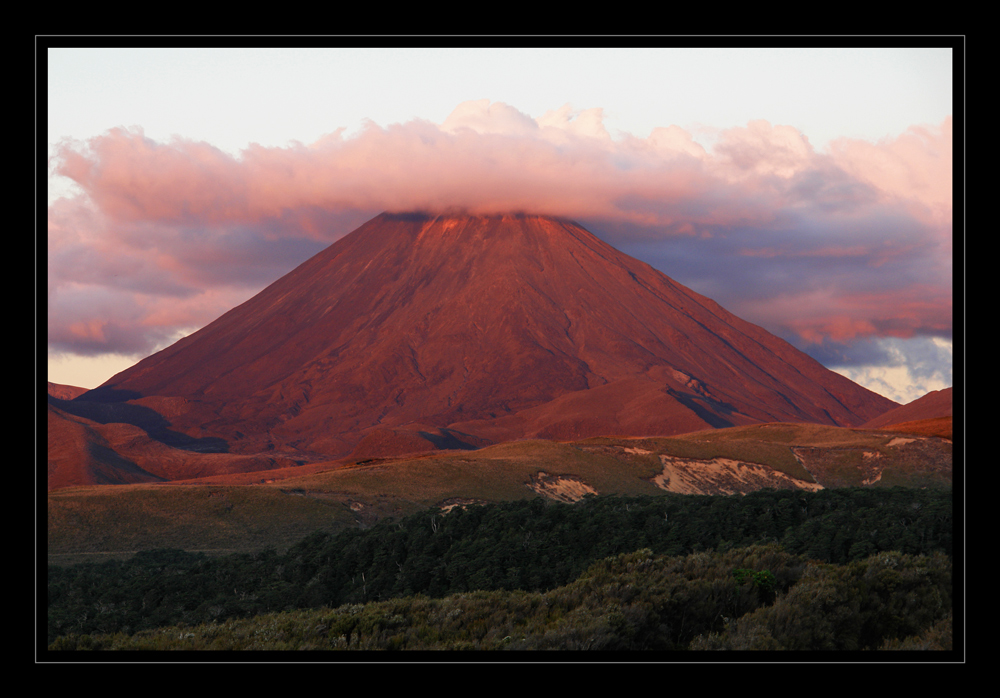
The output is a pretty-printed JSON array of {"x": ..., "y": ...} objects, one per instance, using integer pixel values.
[{"x": 421, "y": 330}]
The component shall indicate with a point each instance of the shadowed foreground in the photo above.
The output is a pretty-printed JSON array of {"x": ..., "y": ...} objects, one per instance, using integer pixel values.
[{"x": 757, "y": 598}]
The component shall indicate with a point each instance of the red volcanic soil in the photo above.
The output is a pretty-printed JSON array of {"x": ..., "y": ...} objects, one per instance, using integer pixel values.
[
  {"x": 78, "y": 454},
  {"x": 935, "y": 404},
  {"x": 478, "y": 329},
  {"x": 64, "y": 392},
  {"x": 930, "y": 415},
  {"x": 84, "y": 452}
]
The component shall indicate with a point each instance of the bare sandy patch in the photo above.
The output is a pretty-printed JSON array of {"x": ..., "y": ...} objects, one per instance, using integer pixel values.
[
  {"x": 873, "y": 479},
  {"x": 722, "y": 476},
  {"x": 461, "y": 502},
  {"x": 563, "y": 488}
]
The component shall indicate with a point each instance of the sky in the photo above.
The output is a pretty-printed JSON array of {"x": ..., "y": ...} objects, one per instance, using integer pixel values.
[{"x": 807, "y": 190}]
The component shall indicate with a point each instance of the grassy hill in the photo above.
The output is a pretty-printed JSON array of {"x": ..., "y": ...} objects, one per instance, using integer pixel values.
[{"x": 224, "y": 514}]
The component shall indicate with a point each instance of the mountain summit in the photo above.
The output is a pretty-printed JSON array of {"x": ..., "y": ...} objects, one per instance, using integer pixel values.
[{"x": 464, "y": 330}]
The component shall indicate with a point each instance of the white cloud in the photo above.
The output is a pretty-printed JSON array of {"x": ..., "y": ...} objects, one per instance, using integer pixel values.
[{"x": 916, "y": 367}]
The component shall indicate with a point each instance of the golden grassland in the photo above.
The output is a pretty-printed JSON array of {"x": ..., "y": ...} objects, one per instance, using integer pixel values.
[{"x": 87, "y": 522}]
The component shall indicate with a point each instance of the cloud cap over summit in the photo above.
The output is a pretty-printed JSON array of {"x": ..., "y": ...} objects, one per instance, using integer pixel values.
[{"x": 843, "y": 246}]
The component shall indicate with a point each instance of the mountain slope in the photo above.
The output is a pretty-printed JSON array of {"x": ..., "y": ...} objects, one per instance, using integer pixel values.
[
  {"x": 64, "y": 392},
  {"x": 84, "y": 452},
  {"x": 930, "y": 415},
  {"x": 497, "y": 327},
  {"x": 933, "y": 405}
]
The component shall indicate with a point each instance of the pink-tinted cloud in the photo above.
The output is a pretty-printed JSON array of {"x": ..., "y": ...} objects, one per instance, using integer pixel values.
[
  {"x": 760, "y": 150},
  {"x": 841, "y": 316},
  {"x": 841, "y": 244},
  {"x": 914, "y": 168},
  {"x": 482, "y": 159}
]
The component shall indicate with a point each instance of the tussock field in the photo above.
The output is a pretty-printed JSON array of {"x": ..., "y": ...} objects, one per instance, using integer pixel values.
[
  {"x": 283, "y": 505},
  {"x": 93, "y": 523}
]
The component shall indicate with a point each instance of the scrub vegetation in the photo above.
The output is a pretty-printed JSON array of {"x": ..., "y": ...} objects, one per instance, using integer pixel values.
[{"x": 849, "y": 569}]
